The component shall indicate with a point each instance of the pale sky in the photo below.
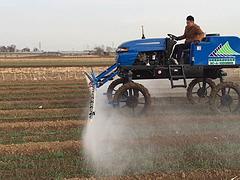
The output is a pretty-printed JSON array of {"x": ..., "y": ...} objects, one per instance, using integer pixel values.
[{"x": 82, "y": 24}]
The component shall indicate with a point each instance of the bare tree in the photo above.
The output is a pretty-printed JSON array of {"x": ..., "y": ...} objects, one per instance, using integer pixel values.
[
  {"x": 109, "y": 50},
  {"x": 99, "y": 51},
  {"x": 11, "y": 48},
  {"x": 36, "y": 50},
  {"x": 3, "y": 49},
  {"x": 26, "y": 50}
]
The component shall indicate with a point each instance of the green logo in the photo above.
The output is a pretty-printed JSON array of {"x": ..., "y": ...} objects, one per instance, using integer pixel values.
[
  {"x": 224, "y": 51},
  {"x": 223, "y": 55}
]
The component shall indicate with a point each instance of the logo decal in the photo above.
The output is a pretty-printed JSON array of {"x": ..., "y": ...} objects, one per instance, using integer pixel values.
[
  {"x": 224, "y": 51},
  {"x": 223, "y": 55}
]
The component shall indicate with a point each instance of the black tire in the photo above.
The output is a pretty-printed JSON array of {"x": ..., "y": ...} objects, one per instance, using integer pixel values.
[
  {"x": 113, "y": 88},
  {"x": 197, "y": 95},
  {"x": 225, "y": 98},
  {"x": 125, "y": 99}
]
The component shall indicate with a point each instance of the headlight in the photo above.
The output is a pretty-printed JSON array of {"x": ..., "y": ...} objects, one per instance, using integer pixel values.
[{"x": 122, "y": 50}]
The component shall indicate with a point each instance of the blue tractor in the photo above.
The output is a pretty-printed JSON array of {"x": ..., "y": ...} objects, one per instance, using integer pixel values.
[{"x": 149, "y": 59}]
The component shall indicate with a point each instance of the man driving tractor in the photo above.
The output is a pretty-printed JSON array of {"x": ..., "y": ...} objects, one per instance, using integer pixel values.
[{"x": 192, "y": 33}]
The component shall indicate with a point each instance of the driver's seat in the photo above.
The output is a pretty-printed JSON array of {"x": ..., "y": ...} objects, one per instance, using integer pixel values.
[{"x": 185, "y": 57}]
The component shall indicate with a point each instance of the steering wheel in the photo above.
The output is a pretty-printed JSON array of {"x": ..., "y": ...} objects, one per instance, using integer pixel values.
[{"x": 172, "y": 36}]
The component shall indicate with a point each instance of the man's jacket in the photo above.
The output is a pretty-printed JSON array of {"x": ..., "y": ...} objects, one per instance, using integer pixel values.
[{"x": 191, "y": 34}]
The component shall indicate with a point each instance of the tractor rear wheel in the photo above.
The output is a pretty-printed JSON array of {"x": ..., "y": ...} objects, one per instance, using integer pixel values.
[
  {"x": 198, "y": 92},
  {"x": 113, "y": 87},
  {"x": 127, "y": 101},
  {"x": 225, "y": 98}
]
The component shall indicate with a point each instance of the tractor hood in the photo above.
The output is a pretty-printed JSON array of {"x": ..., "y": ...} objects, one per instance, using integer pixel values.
[
  {"x": 127, "y": 52},
  {"x": 144, "y": 45}
]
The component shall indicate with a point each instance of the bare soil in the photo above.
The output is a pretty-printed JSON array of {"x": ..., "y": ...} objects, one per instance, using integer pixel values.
[
  {"x": 39, "y": 148},
  {"x": 54, "y": 125},
  {"x": 195, "y": 175},
  {"x": 50, "y": 81}
]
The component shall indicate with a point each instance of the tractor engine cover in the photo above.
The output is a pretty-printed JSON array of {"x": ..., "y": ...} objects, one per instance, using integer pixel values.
[{"x": 142, "y": 50}]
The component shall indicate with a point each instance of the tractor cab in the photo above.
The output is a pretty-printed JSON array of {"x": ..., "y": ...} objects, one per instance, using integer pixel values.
[
  {"x": 213, "y": 50},
  {"x": 185, "y": 59}
]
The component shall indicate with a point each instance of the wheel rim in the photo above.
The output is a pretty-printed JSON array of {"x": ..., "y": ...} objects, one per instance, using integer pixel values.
[
  {"x": 132, "y": 101},
  {"x": 227, "y": 100},
  {"x": 200, "y": 92}
]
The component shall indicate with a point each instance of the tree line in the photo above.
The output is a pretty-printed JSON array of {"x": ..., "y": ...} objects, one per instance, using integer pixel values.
[
  {"x": 13, "y": 48},
  {"x": 98, "y": 50},
  {"x": 104, "y": 51}
]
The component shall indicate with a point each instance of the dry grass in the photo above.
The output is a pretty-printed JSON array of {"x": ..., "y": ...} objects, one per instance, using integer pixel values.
[{"x": 46, "y": 74}]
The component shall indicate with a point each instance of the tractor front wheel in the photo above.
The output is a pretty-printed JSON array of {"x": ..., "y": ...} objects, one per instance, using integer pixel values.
[
  {"x": 127, "y": 101},
  {"x": 199, "y": 90},
  {"x": 225, "y": 98}
]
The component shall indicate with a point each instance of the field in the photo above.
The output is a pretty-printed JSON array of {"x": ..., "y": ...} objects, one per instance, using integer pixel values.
[
  {"x": 35, "y": 61},
  {"x": 43, "y": 114},
  {"x": 41, "y": 125}
]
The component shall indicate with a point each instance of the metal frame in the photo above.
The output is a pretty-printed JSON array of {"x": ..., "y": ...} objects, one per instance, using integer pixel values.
[{"x": 105, "y": 76}]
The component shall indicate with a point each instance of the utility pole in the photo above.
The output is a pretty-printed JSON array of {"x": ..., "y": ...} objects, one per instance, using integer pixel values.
[
  {"x": 40, "y": 46},
  {"x": 143, "y": 35}
]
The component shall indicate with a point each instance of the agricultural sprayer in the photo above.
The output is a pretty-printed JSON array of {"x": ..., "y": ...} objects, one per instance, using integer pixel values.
[{"x": 204, "y": 62}]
